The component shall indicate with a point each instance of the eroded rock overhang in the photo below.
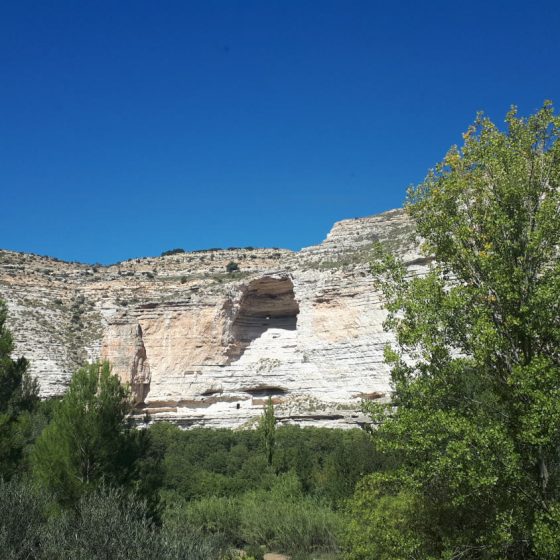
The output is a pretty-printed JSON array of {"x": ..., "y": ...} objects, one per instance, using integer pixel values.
[{"x": 266, "y": 303}]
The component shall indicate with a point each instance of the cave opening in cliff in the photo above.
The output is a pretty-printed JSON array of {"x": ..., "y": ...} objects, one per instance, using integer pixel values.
[{"x": 268, "y": 303}]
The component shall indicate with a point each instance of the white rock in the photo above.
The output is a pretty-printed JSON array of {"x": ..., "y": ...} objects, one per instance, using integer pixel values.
[{"x": 202, "y": 347}]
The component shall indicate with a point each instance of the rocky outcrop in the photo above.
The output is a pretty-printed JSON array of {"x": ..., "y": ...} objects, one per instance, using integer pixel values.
[
  {"x": 124, "y": 348},
  {"x": 202, "y": 346}
]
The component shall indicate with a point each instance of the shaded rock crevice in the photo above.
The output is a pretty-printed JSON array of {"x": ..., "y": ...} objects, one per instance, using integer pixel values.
[
  {"x": 140, "y": 375},
  {"x": 267, "y": 303},
  {"x": 128, "y": 357}
]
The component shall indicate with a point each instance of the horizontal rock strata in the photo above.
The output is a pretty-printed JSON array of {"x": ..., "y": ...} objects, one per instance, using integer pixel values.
[{"x": 204, "y": 347}]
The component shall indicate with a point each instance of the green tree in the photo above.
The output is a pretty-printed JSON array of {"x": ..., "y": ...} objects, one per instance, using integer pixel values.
[
  {"x": 267, "y": 429},
  {"x": 18, "y": 398},
  {"x": 90, "y": 439},
  {"x": 474, "y": 425}
]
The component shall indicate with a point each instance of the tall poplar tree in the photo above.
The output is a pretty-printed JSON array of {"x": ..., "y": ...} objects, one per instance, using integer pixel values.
[
  {"x": 474, "y": 424},
  {"x": 267, "y": 429}
]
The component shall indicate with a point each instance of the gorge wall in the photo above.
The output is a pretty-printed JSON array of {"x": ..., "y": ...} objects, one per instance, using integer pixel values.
[{"x": 201, "y": 346}]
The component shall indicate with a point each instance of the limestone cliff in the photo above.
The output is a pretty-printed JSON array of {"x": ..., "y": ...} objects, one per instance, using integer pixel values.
[{"x": 201, "y": 346}]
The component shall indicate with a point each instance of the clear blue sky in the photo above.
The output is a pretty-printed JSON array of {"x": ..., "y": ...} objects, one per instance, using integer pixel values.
[{"x": 131, "y": 127}]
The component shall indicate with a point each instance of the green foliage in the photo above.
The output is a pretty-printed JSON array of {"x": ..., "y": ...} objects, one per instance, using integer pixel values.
[
  {"x": 112, "y": 524},
  {"x": 90, "y": 440},
  {"x": 219, "y": 481},
  {"x": 22, "y": 518},
  {"x": 267, "y": 430},
  {"x": 328, "y": 462},
  {"x": 19, "y": 396},
  {"x": 218, "y": 489},
  {"x": 177, "y": 251},
  {"x": 212, "y": 515},
  {"x": 385, "y": 522},
  {"x": 202, "y": 463},
  {"x": 279, "y": 518},
  {"x": 231, "y": 267},
  {"x": 105, "y": 524},
  {"x": 283, "y": 519},
  {"x": 474, "y": 427}
]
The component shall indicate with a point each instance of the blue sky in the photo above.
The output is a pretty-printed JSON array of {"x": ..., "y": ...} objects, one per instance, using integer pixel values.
[{"x": 131, "y": 127}]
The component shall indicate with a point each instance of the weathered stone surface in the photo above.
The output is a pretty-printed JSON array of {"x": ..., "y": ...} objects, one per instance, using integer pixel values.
[{"x": 204, "y": 347}]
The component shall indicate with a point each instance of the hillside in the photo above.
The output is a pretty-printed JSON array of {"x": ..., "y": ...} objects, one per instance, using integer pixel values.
[{"x": 202, "y": 346}]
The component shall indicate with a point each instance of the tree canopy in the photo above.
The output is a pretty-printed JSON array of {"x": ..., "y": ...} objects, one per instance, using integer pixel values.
[{"x": 474, "y": 424}]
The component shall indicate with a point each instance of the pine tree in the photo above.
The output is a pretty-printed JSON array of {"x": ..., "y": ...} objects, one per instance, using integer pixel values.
[{"x": 90, "y": 439}]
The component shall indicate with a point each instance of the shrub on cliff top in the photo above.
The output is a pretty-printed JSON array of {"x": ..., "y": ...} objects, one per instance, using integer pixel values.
[
  {"x": 172, "y": 252},
  {"x": 232, "y": 266}
]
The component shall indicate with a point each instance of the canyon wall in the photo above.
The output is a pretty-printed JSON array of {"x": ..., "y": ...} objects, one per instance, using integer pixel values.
[{"x": 201, "y": 346}]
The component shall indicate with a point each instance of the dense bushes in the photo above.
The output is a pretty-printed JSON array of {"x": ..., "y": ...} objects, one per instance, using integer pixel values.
[
  {"x": 220, "y": 482},
  {"x": 105, "y": 524},
  {"x": 279, "y": 518},
  {"x": 328, "y": 462},
  {"x": 22, "y": 520},
  {"x": 231, "y": 267},
  {"x": 201, "y": 462},
  {"x": 177, "y": 251}
]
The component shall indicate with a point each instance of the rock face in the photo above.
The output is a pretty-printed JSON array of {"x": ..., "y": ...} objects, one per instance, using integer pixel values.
[{"x": 201, "y": 346}]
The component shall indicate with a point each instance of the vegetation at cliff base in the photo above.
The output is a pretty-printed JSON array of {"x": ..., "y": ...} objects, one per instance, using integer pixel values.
[
  {"x": 220, "y": 482},
  {"x": 80, "y": 481},
  {"x": 473, "y": 431}
]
